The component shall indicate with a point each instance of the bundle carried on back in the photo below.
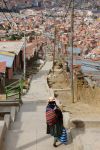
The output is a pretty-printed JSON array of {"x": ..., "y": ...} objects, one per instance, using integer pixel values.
[{"x": 51, "y": 117}]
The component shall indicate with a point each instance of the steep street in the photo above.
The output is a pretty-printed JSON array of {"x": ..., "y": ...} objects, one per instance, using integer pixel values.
[{"x": 29, "y": 130}]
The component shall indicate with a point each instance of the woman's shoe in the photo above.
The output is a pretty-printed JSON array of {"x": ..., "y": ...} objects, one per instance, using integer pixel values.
[{"x": 54, "y": 145}]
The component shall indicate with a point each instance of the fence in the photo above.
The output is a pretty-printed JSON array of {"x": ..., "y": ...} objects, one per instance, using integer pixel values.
[{"x": 14, "y": 89}]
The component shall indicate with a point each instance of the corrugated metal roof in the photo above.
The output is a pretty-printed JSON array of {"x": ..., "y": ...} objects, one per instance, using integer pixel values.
[
  {"x": 88, "y": 69},
  {"x": 85, "y": 62},
  {"x": 75, "y": 50},
  {"x": 91, "y": 63},
  {"x": 8, "y": 59},
  {"x": 2, "y": 67},
  {"x": 9, "y": 46}
]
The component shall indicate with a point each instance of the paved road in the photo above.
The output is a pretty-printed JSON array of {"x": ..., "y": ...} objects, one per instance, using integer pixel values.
[{"x": 29, "y": 130}]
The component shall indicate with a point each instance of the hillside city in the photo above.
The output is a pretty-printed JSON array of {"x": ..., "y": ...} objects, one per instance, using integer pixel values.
[{"x": 49, "y": 52}]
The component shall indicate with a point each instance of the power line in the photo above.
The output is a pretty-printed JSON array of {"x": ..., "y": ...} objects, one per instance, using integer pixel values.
[
  {"x": 72, "y": 33},
  {"x": 7, "y": 18},
  {"x": 10, "y": 13},
  {"x": 7, "y": 8},
  {"x": 55, "y": 33},
  {"x": 68, "y": 9}
]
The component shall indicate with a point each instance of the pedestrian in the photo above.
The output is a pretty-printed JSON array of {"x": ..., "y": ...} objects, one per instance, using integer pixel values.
[{"x": 54, "y": 119}]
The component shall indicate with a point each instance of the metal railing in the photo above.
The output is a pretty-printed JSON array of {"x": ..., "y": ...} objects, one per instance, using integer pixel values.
[{"x": 14, "y": 89}]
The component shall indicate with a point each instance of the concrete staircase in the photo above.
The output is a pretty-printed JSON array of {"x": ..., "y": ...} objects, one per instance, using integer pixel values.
[{"x": 8, "y": 112}]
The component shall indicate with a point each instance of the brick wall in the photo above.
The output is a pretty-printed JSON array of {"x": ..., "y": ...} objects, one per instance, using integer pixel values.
[{"x": 10, "y": 73}]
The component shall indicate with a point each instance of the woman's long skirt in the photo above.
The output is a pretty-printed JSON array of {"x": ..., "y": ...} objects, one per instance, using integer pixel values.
[{"x": 55, "y": 130}]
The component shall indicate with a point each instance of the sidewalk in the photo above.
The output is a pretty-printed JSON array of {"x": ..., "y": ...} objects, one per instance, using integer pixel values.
[{"x": 29, "y": 130}]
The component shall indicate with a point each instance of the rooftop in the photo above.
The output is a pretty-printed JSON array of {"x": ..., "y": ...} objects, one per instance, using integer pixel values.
[{"x": 11, "y": 46}]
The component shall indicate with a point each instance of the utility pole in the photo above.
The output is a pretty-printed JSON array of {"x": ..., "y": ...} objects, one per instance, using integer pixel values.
[
  {"x": 54, "y": 44},
  {"x": 54, "y": 48},
  {"x": 72, "y": 33},
  {"x": 42, "y": 17},
  {"x": 24, "y": 69}
]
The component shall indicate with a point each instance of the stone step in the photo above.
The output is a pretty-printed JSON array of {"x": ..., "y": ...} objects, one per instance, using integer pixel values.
[
  {"x": 9, "y": 103},
  {"x": 3, "y": 130}
]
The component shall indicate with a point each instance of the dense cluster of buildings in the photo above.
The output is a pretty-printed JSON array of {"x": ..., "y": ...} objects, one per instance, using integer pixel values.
[
  {"x": 45, "y": 27},
  {"x": 86, "y": 40},
  {"x": 20, "y": 4}
]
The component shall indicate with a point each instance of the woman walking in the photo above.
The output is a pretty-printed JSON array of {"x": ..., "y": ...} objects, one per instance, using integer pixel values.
[{"x": 54, "y": 119}]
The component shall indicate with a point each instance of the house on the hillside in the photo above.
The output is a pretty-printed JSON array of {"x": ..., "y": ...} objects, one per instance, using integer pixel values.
[
  {"x": 11, "y": 53},
  {"x": 31, "y": 53},
  {"x": 2, "y": 76}
]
